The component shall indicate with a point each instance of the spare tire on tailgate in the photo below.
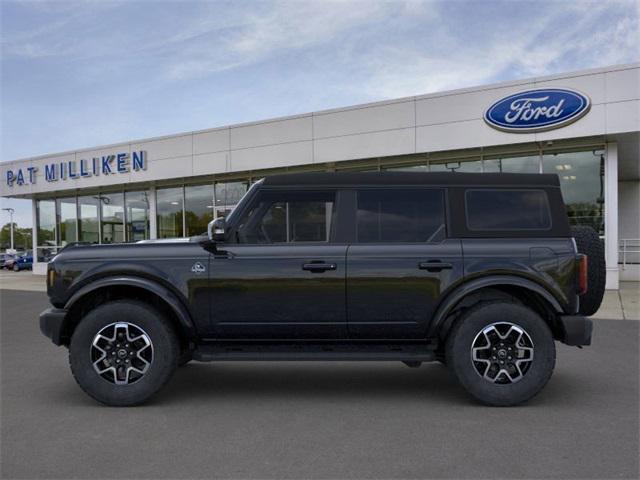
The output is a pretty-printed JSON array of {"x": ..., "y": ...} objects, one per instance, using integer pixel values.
[{"x": 589, "y": 243}]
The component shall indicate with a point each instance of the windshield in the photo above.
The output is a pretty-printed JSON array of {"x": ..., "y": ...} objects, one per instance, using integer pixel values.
[
  {"x": 238, "y": 206},
  {"x": 242, "y": 201}
]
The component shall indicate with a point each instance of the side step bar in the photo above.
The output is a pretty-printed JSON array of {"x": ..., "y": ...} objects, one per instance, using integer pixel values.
[{"x": 232, "y": 351}]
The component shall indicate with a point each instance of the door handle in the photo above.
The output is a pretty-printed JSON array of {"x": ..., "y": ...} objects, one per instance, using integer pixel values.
[
  {"x": 434, "y": 266},
  {"x": 318, "y": 267}
]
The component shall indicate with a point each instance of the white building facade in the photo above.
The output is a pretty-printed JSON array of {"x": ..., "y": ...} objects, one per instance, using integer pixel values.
[{"x": 173, "y": 186}]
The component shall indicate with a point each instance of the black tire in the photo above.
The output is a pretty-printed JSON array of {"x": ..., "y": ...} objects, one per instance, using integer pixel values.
[
  {"x": 16, "y": 268},
  {"x": 165, "y": 349},
  {"x": 588, "y": 242},
  {"x": 469, "y": 327}
]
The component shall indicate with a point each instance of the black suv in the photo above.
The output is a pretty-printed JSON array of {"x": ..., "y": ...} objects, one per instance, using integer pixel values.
[{"x": 478, "y": 271}]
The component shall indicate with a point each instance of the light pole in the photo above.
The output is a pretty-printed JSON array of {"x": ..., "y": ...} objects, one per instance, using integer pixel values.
[{"x": 11, "y": 212}]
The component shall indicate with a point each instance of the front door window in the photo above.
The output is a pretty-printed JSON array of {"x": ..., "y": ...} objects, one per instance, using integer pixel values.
[{"x": 288, "y": 217}]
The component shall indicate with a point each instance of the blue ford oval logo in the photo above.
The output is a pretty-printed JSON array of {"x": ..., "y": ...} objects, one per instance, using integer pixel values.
[{"x": 537, "y": 110}]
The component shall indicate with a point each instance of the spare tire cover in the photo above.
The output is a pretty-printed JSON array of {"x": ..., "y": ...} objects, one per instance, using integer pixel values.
[{"x": 589, "y": 243}]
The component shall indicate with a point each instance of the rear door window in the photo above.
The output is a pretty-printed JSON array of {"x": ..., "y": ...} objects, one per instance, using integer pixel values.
[
  {"x": 400, "y": 216},
  {"x": 493, "y": 209}
]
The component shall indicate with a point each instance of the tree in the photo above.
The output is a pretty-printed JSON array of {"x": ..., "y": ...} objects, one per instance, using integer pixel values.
[{"x": 22, "y": 237}]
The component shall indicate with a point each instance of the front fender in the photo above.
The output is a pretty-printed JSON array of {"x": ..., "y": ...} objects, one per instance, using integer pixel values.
[
  {"x": 451, "y": 300},
  {"x": 182, "y": 314}
]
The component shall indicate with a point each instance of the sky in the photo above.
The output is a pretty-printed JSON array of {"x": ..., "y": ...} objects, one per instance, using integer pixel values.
[{"x": 87, "y": 73}]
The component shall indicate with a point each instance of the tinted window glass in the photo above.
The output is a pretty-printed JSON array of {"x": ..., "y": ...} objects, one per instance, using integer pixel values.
[
  {"x": 137, "y": 215},
  {"x": 88, "y": 219},
  {"x": 582, "y": 184},
  {"x": 530, "y": 164},
  {"x": 198, "y": 208},
  {"x": 46, "y": 228},
  {"x": 227, "y": 195},
  {"x": 112, "y": 217},
  {"x": 507, "y": 210},
  {"x": 67, "y": 219},
  {"x": 169, "y": 212},
  {"x": 402, "y": 215},
  {"x": 288, "y": 217}
]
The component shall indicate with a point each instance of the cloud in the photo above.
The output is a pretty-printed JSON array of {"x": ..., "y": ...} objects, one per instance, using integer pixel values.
[
  {"x": 99, "y": 72},
  {"x": 402, "y": 48},
  {"x": 123, "y": 70},
  {"x": 285, "y": 27},
  {"x": 555, "y": 40},
  {"x": 52, "y": 27}
]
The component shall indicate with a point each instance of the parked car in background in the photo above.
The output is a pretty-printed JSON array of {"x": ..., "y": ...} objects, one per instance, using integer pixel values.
[
  {"x": 6, "y": 258},
  {"x": 23, "y": 262},
  {"x": 9, "y": 261}
]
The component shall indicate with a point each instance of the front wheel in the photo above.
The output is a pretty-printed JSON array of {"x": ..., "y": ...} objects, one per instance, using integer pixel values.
[
  {"x": 123, "y": 352},
  {"x": 503, "y": 354},
  {"x": 16, "y": 268}
]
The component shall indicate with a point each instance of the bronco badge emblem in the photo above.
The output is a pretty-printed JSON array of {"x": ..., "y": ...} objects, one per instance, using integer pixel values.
[{"x": 198, "y": 268}]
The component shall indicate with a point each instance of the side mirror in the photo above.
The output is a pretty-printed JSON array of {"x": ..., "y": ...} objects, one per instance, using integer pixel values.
[{"x": 216, "y": 230}]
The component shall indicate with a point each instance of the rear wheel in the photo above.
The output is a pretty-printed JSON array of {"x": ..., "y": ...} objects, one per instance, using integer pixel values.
[
  {"x": 503, "y": 354},
  {"x": 123, "y": 352},
  {"x": 16, "y": 268}
]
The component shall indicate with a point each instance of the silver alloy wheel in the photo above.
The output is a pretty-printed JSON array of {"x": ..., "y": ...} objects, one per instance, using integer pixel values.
[
  {"x": 121, "y": 353},
  {"x": 502, "y": 353}
]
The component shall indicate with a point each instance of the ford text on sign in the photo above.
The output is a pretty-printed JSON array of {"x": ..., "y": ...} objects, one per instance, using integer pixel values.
[{"x": 537, "y": 110}]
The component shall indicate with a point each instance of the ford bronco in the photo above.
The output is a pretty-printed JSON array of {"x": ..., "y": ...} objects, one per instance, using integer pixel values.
[{"x": 481, "y": 272}]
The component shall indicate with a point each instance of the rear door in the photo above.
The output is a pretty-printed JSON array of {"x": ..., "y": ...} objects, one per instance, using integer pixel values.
[{"x": 400, "y": 263}]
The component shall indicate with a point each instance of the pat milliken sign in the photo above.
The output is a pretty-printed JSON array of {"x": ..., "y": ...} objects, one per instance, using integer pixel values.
[
  {"x": 537, "y": 110},
  {"x": 117, "y": 163}
]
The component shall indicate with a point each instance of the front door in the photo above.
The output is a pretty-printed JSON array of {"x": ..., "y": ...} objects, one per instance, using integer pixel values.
[
  {"x": 401, "y": 262},
  {"x": 281, "y": 275}
]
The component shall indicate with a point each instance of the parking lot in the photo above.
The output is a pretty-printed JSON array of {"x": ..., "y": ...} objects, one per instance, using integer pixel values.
[{"x": 316, "y": 420}]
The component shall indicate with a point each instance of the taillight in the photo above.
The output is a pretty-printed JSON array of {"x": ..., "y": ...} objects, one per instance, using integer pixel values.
[{"x": 583, "y": 265}]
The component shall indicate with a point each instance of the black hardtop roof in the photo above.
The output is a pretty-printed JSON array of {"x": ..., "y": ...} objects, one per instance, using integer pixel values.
[{"x": 413, "y": 178}]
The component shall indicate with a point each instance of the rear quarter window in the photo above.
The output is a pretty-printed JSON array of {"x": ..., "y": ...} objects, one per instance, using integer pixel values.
[{"x": 503, "y": 210}]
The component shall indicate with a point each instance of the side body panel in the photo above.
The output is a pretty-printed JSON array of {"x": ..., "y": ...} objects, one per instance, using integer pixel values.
[
  {"x": 170, "y": 265},
  {"x": 264, "y": 291},
  {"x": 394, "y": 289},
  {"x": 548, "y": 262}
]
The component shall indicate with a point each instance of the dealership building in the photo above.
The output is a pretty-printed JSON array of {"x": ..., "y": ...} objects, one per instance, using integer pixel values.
[{"x": 583, "y": 126}]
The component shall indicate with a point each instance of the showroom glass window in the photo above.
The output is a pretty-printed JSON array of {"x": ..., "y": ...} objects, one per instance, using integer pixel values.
[
  {"x": 88, "y": 222},
  {"x": 137, "y": 216},
  {"x": 467, "y": 166},
  {"x": 288, "y": 217},
  {"x": 581, "y": 177},
  {"x": 112, "y": 217},
  {"x": 408, "y": 168},
  {"x": 527, "y": 164},
  {"x": 46, "y": 218},
  {"x": 227, "y": 195},
  {"x": 169, "y": 216},
  {"x": 198, "y": 208},
  {"x": 400, "y": 215},
  {"x": 67, "y": 220}
]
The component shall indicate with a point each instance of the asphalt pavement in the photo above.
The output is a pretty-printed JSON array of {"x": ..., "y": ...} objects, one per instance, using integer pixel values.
[{"x": 316, "y": 420}]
